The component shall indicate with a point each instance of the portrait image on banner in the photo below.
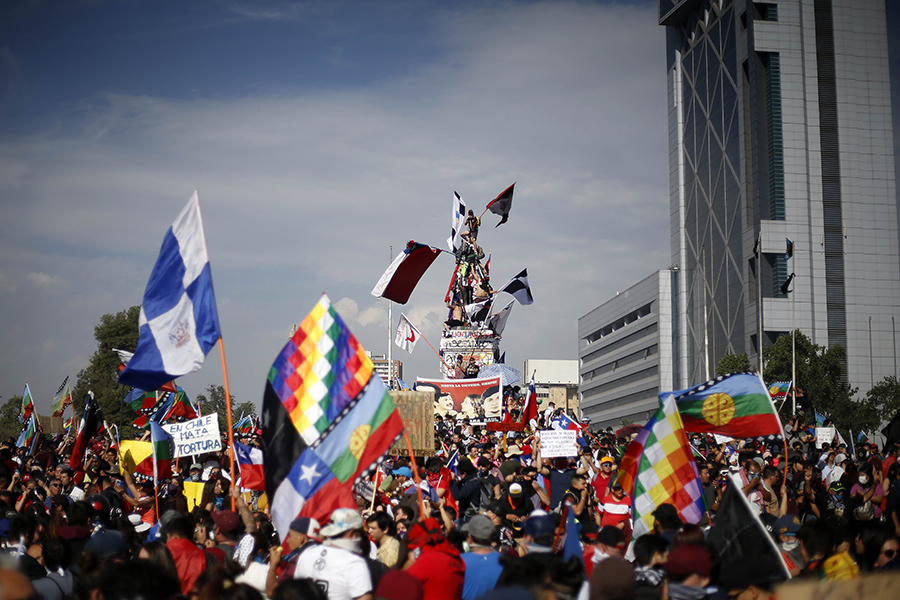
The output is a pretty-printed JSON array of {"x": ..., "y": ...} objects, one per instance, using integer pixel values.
[{"x": 476, "y": 399}]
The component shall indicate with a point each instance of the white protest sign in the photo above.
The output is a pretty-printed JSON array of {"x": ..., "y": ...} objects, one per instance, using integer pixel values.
[
  {"x": 824, "y": 435},
  {"x": 558, "y": 442},
  {"x": 196, "y": 436},
  {"x": 722, "y": 439}
]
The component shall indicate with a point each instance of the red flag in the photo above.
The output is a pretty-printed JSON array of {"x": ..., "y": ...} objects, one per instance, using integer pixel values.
[
  {"x": 401, "y": 278},
  {"x": 530, "y": 410},
  {"x": 501, "y": 204}
]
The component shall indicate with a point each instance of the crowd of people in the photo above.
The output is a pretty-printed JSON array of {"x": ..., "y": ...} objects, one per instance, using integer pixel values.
[{"x": 487, "y": 519}]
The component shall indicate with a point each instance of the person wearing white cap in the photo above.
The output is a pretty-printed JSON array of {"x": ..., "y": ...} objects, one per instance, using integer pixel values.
[{"x": 337, "y": 566}]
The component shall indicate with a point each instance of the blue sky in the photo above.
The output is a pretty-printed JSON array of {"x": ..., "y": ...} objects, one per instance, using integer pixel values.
[{"x": 319, "y": 134}]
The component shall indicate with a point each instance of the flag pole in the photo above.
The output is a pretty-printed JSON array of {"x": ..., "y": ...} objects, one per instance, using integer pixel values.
[
  {"x": 415, "y": 470},
  {"x": 390, "y": 352},
  {"x": 228, "y": 416}
]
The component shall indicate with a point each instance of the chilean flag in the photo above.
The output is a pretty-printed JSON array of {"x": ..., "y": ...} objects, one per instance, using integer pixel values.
[
  {"x": 564, "y": 422},
  {"x": 253, "y": 476},
  {"x": 400, "y": 279},
  {"x": 530, "y": 411}
]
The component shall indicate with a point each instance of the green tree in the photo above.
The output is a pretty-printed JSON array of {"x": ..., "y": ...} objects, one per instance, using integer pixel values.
[
  {"x": 214, "y": 402},
  {"x": 820, "y": 382},
  {"x": 885, "y": 398},
  {"x": 119, "y": 330},
  {"x": 10, "y": 426},
  {"x": 734, "y": 363}
]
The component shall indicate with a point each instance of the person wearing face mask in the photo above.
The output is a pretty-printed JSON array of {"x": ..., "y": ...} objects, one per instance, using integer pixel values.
[
  {"x": 337, "y": 565},
  {"x": 751, "y": 481},
  {"x": 785, "y": 532},
  {"x": 196, "y": 473},
  {"x": 865, "y": 491}
]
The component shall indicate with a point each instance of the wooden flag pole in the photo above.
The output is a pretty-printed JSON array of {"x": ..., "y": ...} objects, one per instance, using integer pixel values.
[
  {"x": 415, "y": 470},
  {"x": 228, "y": 418}
]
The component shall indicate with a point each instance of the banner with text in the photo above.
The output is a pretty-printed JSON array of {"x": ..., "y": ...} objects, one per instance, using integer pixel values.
[
  {"x": 476, "y": 399},
  {"x": 558, "y": 443},
  {"x": 196, "y": 436}
]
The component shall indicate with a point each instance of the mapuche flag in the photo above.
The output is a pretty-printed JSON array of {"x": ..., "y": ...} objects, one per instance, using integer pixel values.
[
  {"x": 326, "y": 420},
  {"x": 163, "y": 452},
  {"x": 27, "y": 404},
  {"x": 91, "y": 425},
  {"x": 737, "y": 405},
  {"x": 62, "y": 399},
  {"x": 659, "y": 468}
]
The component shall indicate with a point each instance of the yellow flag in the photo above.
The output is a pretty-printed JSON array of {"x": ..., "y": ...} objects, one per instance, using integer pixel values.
[
  {"x": 132, "y": 453},
  {"x": 193, "y": 491}
]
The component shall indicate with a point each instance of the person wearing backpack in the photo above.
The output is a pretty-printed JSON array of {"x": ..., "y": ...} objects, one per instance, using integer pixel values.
[{"x": 470, "y": 491}]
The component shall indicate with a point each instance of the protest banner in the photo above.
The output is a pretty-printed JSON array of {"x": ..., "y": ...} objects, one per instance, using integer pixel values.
[
  {"x": 825, "y": 435},
  {"x": 559, "y": 442},
  {"x": 475, "y": 399},
  {"x": 417, "y": 411},
  {"x": 196, "y": 436}
]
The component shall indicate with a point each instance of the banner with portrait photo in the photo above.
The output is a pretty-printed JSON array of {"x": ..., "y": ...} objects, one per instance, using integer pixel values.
[{"x": 473, "y": 399}]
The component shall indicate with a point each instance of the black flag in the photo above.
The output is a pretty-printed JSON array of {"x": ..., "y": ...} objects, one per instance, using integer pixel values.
[
  {"x": 737, "y": 534},
  {"x": 518, "y": 288},
  {"x": 786, "y": 285}
]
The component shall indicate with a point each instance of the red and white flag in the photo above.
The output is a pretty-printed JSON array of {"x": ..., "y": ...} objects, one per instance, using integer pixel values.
[
  {"x": 530, "y": 411},
  {"x": 252, "y": 468},
  {"x": 407, "y": 334},
  {"x": 400, "y": 279}
]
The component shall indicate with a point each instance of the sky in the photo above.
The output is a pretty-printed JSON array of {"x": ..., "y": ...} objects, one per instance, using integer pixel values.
[{"x": 320, "y": 135}]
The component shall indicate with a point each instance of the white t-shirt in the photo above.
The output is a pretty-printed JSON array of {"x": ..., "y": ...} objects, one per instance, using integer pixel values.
[{"x": 341, "y": 574}]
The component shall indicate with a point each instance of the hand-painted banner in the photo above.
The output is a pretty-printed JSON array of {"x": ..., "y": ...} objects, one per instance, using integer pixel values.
[
  {"x": 196, "y": 436},
  {"x": 477, "y": 399},
  {"x": 559, "y": 442}
]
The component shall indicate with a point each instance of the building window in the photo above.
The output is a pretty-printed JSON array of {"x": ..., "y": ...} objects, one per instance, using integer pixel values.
[
  {"x": 767, "y": 12},
  {"x": 772, "y": 73}
]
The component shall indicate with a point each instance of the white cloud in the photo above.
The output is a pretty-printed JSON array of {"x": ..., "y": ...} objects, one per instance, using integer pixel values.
[
  {"x": 44, "y": 281},
  {"x": 304, "y": 191}
]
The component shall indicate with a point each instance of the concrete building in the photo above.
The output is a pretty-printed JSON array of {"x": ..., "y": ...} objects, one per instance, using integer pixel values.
[
  {"x": 381, "y": 367},
  {"x": 780, "y": 127},
  {"x": 632, "y": 347},
  {"x": 555, "y": 381}
]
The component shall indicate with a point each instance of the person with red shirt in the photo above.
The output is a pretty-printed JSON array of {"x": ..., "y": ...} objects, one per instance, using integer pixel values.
[
  {"x": 190, "y": 561},
  {"x": 603, "y": 481},
  {"x": 617, "y": 511},
  {"x": 439, "y": 565}
]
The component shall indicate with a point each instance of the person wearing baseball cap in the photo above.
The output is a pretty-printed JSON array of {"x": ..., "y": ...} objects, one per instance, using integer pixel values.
[
  {"x": 603, "y": 481},
  {"x": 785, "y": 533},
  {"x": 338, "y": 562},
  {"x": 483, "y": 566},
  {"x": 688, "y": 568},
  {"x": 514, "y": 509},
  {"x": 302, "y": 535}
]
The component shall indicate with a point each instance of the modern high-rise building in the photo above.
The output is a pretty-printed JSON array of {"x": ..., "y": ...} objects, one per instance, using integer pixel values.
[{"x": 780, "y": 127}]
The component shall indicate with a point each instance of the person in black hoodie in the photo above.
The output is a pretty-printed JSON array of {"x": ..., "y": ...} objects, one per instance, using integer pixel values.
[{"x": 466, "y": 490}]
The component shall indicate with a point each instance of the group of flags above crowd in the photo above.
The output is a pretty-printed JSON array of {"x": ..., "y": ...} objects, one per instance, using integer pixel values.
[{"x": 327, "y": 417}]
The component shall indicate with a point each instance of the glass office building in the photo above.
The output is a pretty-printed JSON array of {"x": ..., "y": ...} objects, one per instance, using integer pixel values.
[{"x": 780, "y": 127}]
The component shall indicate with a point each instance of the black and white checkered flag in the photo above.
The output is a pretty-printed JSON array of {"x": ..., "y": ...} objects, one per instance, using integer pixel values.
[
  {"x": 459, "y": 221},
  {"x": 518, "y": 288}
]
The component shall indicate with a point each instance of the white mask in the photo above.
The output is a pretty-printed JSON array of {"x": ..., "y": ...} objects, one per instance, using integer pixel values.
[{"x": 863, "y": 479}]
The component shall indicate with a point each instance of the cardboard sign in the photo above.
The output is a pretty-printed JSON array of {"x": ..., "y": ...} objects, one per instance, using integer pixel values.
[
  {"x": 824, "y": 435},
  {"x": 417, "y": 411},
  {"x": 475, "y": 399},
  {"x": 196, "y": 436},
  {"x": 558, "y": 443}
]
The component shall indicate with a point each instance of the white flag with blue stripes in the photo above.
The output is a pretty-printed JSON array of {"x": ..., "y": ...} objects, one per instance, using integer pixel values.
[{"x": 179, "y": 321}]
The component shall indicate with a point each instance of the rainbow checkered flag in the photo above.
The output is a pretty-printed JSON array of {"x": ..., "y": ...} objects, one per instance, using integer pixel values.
[
  {"x": 658, "y": 468},
  {"x": 327, "y": 420}
]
